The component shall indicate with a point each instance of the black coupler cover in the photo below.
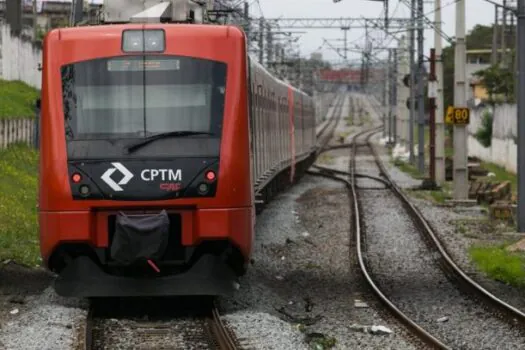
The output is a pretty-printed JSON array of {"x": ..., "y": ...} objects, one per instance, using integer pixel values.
[{"x": 140, "y": 237}]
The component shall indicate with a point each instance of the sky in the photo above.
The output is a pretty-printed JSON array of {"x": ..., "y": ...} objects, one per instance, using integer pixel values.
[{"x": 477, "y": 12}]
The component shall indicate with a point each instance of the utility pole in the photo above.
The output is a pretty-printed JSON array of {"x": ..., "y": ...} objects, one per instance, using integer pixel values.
[
  {"x": 460, "y": 100},
  {"x": 521, "y": 115},
  {"x": 393, "y": 94},
  {"x": 387, "y": 99},
  {"x": 269, "y": 44},
  {"x": 345, "y": 31},
  {"x": 247, "y": 23},
  {"x": 412, "y": 79},
  {"x": 439, "y": 100},
  {"x": 421, "y": 88},
  {"x": 503, "y": 34},
  {"x": 432, "y": 117},
  {"x": 261, "y": 42},
  {"x": 494, "y": 55},
  {"x": 403, "y": 92}
]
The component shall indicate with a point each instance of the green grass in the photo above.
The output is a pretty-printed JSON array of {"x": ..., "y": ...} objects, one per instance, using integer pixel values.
[
  {"x": 408, "y": 169},
  {"x": 17, "y": 99},
  {"x": 18, "y": 212},
  {"x": 500, "y": 264}
]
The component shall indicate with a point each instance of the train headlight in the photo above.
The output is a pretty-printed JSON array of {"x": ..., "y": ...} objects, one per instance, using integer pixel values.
[
  {"x": 152, "y": 40},
  {"x": 84, "y": 190},
  {"x": 203, "y": 188}
]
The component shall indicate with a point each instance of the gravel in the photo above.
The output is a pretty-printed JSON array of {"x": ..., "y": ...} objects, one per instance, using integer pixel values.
[
  {"x": 305, "y": 274},
  {"x": 408, "y": 272},
  {"x": 476, "y": 229},
  {"x": 47, "y": 321}
]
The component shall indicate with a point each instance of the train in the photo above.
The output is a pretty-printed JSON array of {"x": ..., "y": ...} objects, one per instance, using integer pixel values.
[{"x": 159, "y": 143}]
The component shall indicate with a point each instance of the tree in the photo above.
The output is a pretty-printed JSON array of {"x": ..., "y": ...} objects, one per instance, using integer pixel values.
[
  {"x": 498, "y": 81},
  {"x": 480, "y": 37}
]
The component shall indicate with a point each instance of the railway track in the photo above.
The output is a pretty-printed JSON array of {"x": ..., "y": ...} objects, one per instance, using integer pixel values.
[
  {"x": 161, "y": 323},
  {"x": 398, "y": 298},
  {"x": 156, "y": 324}
]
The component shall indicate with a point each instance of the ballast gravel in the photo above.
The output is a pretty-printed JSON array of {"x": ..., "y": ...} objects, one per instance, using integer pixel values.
[
  {"x": 304, "y": 273},
  {"x": 477, "y": 229},
  {"x": 408, "y": 272},
  {"x": 47, "y": 322}
]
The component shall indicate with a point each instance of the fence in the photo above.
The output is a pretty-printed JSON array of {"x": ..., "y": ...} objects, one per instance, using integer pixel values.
[{"x": 19, "y": 131}]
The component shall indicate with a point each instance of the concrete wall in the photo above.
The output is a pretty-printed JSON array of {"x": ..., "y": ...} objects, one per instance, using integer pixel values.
[
  {"x": 503, "y": 149},
  {"x": 19, "y": 58}
]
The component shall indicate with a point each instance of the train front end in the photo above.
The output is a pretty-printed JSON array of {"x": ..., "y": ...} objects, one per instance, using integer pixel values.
[{"x": 145, "y": 168}]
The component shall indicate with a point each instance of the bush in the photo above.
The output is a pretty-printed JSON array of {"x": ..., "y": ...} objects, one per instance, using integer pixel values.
[{"x": 484, "y": 133}]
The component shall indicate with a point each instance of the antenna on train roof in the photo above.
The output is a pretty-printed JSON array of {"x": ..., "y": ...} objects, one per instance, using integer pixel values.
[{"x": 155, "y": 11}]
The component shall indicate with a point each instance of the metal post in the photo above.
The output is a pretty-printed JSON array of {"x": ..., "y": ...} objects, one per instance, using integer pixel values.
[
  {"x": 402, "y": 110},
  {"x": 247, "y": 22},
  {"x": 393, "y": 102},
  {"x": 386, "y": 122},
  {"x": 261, "y": 41},
  {"x": 432, "y": 101},
  {"x": 439, "y": 101},
  {"x": 521, "y": 115},
  {"x": 388, "y": 87},
  {"x": 412, "y": 79},
  {"x": 494, "y": 55},
  {"x": 460, "y": 94},
  {"x": 421, "y": 88}
]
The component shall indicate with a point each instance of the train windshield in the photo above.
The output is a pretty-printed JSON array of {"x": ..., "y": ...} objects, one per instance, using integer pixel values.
[{"x": 134, "y": 97}]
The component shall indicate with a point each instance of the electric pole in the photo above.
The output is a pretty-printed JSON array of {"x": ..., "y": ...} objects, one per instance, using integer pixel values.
[
  {"x": 460, "y": 100},
  {"x": 439, "y": 100},
  {"x": 261, "y": 42},
  {"x": 421, "y": 88},
  {"x": 386, "y": 100},
  {"x": 521, "y": 115},
  {"x": 403, "y": 92},
  {"x": 393, "y": 96},
  {"x": 412, "y": 79},
  {"x": 494, "y": 55}
]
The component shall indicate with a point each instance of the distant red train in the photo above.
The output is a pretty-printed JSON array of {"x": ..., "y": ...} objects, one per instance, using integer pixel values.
[{"x": 157, "y": 141}]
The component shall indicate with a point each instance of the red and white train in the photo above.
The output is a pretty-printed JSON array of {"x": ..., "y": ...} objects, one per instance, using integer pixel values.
[{"x": 157, "y": 141}]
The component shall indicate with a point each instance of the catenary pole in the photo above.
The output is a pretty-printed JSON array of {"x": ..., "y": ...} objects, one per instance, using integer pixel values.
[
  {"x": 460, "y": 100},
  {"x": 521, "y": 115},
  {"x": 420, "y": 89},
  {"x": 439, "y": 101}
]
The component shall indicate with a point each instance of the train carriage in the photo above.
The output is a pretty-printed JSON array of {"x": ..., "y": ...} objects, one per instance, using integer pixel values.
[{"x": 157, "y": 141}]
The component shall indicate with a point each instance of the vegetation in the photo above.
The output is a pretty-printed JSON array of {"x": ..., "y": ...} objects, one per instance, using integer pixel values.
[
  {"x": 500, "y": 264},
  {"x": 499, "y": 83},
  {"x": 408, "y": 169},
  {"x": 480, "y": 37},
  {"x": 17, "y": 99},
  {"x": 18, "y": 212},
  {"x": 484, "y": 133}
]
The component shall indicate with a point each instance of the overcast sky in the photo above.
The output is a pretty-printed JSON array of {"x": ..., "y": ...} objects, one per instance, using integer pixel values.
[{"x": 478, "y": 12}]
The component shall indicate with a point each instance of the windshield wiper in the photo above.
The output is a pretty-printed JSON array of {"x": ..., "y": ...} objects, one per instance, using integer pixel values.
[{"x": 135, "y": 146}]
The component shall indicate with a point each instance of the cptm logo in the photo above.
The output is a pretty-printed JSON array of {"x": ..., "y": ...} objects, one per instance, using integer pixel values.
[{"x": 116, "y": 186}]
